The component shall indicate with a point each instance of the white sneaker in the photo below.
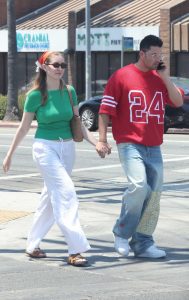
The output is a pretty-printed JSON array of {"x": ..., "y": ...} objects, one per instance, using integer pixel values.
[
  {"x": 152, "y": 252},
  {"x": 121, "y": 246}
]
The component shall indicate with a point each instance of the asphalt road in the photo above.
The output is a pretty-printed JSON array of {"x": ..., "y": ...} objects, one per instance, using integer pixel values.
[
  {"x": 99, "y": 184},
  {"x": 89, "y": 168}
]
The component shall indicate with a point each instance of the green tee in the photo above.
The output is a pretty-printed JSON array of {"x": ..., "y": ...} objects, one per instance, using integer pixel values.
[{"x": 54, "y": 117}]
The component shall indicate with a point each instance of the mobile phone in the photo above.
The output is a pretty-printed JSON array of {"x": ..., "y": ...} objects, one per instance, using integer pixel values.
[{"x": 161, "y": 66}]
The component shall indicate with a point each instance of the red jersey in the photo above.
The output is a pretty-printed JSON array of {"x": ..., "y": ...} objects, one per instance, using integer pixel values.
[{"x": 136, "y": 100}]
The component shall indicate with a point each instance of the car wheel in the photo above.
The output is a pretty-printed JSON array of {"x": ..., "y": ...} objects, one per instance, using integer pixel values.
[{"x": 89, "y": 118}]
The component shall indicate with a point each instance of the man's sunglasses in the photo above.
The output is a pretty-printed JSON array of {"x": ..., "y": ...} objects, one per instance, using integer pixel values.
[{"x": 57, "y": 65}]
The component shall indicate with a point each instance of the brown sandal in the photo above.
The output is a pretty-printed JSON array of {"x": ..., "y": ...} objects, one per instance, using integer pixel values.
[
  {"x": 37, "y": 253},
  {"x": 77, "y": 260}
]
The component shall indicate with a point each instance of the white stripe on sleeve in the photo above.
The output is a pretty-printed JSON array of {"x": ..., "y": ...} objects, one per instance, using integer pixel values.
[{"x": 109, "y": 101}]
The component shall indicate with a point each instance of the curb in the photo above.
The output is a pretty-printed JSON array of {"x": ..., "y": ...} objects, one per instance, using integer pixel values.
[{"x": 178, "y": 130}]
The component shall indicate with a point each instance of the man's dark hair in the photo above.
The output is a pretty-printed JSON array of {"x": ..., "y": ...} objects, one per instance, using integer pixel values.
[{"x": 150, "y": 40}]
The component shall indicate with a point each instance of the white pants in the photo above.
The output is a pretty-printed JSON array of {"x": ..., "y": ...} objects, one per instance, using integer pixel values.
[{"x": 59, "y": 201}]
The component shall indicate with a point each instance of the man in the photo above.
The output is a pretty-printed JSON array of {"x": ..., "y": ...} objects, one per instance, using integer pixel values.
[{"x": 135, "y": 98}]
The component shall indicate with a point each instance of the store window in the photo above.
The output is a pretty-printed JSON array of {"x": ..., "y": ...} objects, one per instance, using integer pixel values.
[
  {"x": 31, "y": 66},
  {"x": 103, "y": 65},
  {"x": 114, "y": 62},
  {"x": 3, "y": 73},
  {"x": 182, "y": 63},
  {"x": 100, "y": 63},
  {"x": 21, "y": 70},
  {"x": 130, "y": 57},
  {"x": 80, "y": 75},
  {"x": 26, "y": 69}
]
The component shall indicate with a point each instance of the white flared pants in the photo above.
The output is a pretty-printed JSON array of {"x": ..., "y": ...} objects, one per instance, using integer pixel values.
[{"x": 59, "y": 203}]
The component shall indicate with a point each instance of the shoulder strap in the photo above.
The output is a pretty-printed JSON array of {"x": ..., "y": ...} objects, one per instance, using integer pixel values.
[{"x": 70, "y": 95}]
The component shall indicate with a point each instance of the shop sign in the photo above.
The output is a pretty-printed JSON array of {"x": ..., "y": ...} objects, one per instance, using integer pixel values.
[
  {"x": 128, "y": 44},
  {"x": 36, "y": 40},
  {"x": 111, "y": 39}
]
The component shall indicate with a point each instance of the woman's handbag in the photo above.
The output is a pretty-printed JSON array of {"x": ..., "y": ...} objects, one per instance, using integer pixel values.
[{"x": 75, "y": 122}]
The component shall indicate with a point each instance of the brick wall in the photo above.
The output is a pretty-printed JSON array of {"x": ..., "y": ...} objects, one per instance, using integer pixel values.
[
  {"x": 165, "y": 34},
  {"x": 22, "y": 8},
  {"x": 169, "y": 13},
  {"x": 3, "y": 12}
]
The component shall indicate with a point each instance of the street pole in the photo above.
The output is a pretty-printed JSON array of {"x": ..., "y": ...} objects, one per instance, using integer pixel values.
[
  {"x": 12, "y": 111},
  {"x": 122, "y": 51},
  {"x": 87, "y": 52}
]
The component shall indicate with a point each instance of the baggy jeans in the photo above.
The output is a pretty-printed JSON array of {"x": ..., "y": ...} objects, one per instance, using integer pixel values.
[
  {"x": 59, "y": 203},
  {"x": 139, "y": 215}
]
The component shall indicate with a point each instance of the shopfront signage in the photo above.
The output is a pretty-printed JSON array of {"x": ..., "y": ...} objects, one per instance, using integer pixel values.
[
  {"x": 127, "y": 43},
  {"x": 111, "y": 39},
  {"x": 36, "y": 40},
  {"x": 31, "y": 40}
]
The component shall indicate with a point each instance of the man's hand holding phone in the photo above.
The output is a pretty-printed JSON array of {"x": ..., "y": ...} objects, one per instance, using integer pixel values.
[{"x": 161, "y": 66}]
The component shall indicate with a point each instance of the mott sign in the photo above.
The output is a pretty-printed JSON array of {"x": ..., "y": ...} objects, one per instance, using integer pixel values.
[
  {"x": 110, "y": 39},
  {"x": 101, "y": 40}
]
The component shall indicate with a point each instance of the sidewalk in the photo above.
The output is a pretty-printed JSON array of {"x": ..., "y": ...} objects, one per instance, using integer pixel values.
[{"x": 108, "y": 276}]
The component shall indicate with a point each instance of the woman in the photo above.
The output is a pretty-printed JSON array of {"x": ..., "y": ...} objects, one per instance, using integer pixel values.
[{"x": 54, "y": 154}]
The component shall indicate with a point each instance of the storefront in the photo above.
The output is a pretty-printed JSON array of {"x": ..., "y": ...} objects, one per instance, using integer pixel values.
[
  {"x": 180, "y": 46},
  {"x": 30, "y": 44},
  {"x": 111, "y": 48}
]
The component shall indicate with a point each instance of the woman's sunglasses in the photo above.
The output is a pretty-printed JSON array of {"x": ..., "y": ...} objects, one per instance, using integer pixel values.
[{"x": 56, "y": 65}]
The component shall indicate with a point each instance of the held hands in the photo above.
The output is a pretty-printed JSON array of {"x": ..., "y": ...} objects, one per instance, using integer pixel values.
[{"x": 103, "y": 148}]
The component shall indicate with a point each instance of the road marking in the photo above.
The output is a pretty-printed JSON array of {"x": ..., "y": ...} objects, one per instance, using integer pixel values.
[
  {"x": 182, "y": 170},
  {"x": 24, "y": 147},
  {"x": 77, "y": 150},
  {"x": 74, "y": 170},
  {"x": 176, "y": 159},
  {"x": 174, "y": 141},
  {"x": 96, "y": 134},
  {"x": 19, "y": 176},
  {"x": 93, "y": 150},
  {"x": 12, "y": 134},
  {"x": 97, "y": 168},
  {"x": 167, "y": 154},
  {"x": 85, "y": 169}
]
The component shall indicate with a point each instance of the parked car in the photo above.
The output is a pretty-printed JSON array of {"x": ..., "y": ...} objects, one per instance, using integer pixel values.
[
  {"x": 174, "y": 117},
  {"x": 178, "y": 117},
  {"x": 88, "y": 111}
]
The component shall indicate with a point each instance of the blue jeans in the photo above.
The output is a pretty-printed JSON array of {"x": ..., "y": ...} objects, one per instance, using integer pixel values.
[{"x": 143, "y": 167}]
